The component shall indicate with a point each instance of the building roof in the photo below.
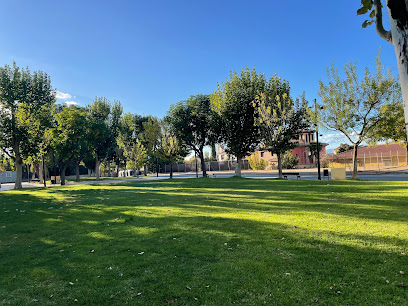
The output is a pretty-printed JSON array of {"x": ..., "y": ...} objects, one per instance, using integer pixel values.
[{"x": 384, "y": 149}]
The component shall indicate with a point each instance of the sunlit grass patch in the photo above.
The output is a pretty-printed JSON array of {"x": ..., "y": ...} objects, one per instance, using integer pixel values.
[{"x": 207, "y": 242}]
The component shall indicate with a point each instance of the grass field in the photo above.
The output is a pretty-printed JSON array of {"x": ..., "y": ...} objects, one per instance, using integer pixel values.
[{"x": 206, "y": 242}]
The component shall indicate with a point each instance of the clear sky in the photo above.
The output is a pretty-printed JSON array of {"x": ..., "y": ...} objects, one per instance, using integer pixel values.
[{"x": 150, "y": 54}]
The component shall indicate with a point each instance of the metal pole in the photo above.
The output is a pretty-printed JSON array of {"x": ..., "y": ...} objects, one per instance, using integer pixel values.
[
  {"x": 397, "y": 160},
  {"x": 317, "y": 145}
]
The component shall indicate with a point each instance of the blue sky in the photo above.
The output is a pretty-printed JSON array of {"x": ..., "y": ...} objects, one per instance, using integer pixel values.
[{"x": 150, "y": 54}]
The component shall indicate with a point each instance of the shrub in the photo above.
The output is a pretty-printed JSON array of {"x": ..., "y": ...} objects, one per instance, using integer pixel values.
[
  {"x": 289, "y": 161},
  {"x": 256, "y": 162}
]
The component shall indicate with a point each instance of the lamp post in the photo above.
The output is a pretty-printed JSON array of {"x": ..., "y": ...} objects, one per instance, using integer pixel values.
[{"x": 319, "y": 177}]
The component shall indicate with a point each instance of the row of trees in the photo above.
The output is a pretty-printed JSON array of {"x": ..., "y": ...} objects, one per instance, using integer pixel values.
[{"x": 245, "y": 112}]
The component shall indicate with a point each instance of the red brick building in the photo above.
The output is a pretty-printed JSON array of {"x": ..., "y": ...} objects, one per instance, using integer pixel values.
[{"x": 301, "y": 151}]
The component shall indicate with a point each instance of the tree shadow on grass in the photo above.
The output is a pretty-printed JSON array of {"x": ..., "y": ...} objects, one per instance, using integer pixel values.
[{"x": 202, "y": 243}]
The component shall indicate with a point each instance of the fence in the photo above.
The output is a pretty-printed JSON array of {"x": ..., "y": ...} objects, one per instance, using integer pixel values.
[
  {"x": 210, "y": 166},
  {"x": 370, "y": 161}
]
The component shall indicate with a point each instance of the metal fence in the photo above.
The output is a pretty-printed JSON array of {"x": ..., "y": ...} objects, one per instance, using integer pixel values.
[
  {"x": 210, "y": 166},
  {"x": 377, "y": 161}
]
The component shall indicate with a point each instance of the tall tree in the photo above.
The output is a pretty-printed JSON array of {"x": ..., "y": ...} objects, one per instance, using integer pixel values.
[
  {"x": 26, "y": 104},
  {"x": 136, "y": 156},
  {"x": 130, "y": 139},
  {"x": 99, "y": 133},
  {"x": 68, "y": 136},
  {"x": 195, "y": 124},
  {"x": 233, "y": 102},
  {"x": 152, "y": 133},
  {"x": 280, "y": 119},
  {"x": 352, "y": 106},
  {"x": 397, "y": 36},
  {"x": 170, "y": 148}
]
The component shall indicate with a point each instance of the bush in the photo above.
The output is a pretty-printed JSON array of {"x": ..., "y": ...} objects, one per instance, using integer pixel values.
[
  {"x": 256, "y": 162},
  {"x": 289, "y": 161}
]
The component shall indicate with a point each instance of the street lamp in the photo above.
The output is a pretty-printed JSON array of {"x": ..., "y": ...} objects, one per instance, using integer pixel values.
[{"x": 319, "y": 177}]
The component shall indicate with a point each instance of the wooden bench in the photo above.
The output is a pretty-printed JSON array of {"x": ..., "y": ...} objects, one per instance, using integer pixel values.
[{"x": 285, "y": 174}]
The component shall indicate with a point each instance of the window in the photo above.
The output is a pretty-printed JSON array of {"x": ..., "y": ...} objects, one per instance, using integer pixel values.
[
  {"x": 262, "y": 154},
  {"x": 8, "y": 174}
]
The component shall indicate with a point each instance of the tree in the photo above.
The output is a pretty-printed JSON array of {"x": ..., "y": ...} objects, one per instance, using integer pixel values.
[
  {"x": 313, "y": 148},
  {"x": 398, "y": 36},
  {"x": 289, "y": 161},
  {"x": 280, "y": 120},
  {"x": 152, "y": 133},
  {"x": 233, "y": 101},
  {"x": 256, "y": 162},
  {"x": 136, "y": 156},
  {"x": 101, "y": 131},
  {"x": 195, "y": 124},
  {"x": 352, "y": 106},
  {"x": 343, "y": 148},
  {"x": 26, "y": 104},
  {"x": 68, "y": 136},
  {"x": 130, "y": 140},
  {"x": 391, "y": 126},
  {"x": 169, "y": 146}
]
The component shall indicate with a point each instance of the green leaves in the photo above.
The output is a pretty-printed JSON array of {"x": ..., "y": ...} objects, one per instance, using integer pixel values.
[
  {"x": 367, "y": 6},
  {"x": 367, "y": 23}
]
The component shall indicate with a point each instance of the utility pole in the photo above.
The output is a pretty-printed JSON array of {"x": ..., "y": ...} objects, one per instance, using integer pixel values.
[{"x": 319, "y": 177}]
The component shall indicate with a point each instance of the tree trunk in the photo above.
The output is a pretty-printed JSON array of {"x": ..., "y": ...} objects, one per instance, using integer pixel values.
[
  {"x": 355, "y": 162},
  {"x": 62, "y": 174},
  {"x": 171, "y": 169},
  {"x": 43, "y": 171},
  {"x": 19, "y": 170},
  {"x": 97, "y": 166},
  {"x": 238, "y": 167},
  {"x": 77, "y": 178},
  {"x": 109, "y": 168},
  {"x": 280, "y": 164},
  {"x": 145, "y": 169},
  {"x": 203, "y": 167},
  {"x": 213, "y": 152},
  {"x": 398, "y": 15}
]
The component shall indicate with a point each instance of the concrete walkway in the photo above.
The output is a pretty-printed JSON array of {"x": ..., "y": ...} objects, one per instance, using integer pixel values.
[{"x": 306, "y": 174}]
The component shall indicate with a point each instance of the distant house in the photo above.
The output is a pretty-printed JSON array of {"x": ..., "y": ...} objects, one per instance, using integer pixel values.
[
  {"x": 8, "y": 177},
  {"x": 306, "y": 160}
]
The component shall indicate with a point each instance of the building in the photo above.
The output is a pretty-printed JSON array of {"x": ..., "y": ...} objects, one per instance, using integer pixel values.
[
  {"x": 306, "y": 160},
  {"x": 373, "y": 157},
  {"x": 8, "y": 177}
]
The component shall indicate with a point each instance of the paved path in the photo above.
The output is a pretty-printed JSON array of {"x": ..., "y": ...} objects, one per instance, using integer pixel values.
[{"x": 306, "y": 174}]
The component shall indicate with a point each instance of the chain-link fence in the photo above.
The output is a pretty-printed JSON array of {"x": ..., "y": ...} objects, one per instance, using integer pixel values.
[
  {"x": 210, "y": 166},
  {"x": 377, "y": 161}
]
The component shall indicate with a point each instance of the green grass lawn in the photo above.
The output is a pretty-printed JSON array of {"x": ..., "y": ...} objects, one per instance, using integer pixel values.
[{"x": 206, "y": 242}]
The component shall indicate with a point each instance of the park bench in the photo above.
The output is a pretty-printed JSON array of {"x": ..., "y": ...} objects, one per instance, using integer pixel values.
[{"x": 285, "y": 174}]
